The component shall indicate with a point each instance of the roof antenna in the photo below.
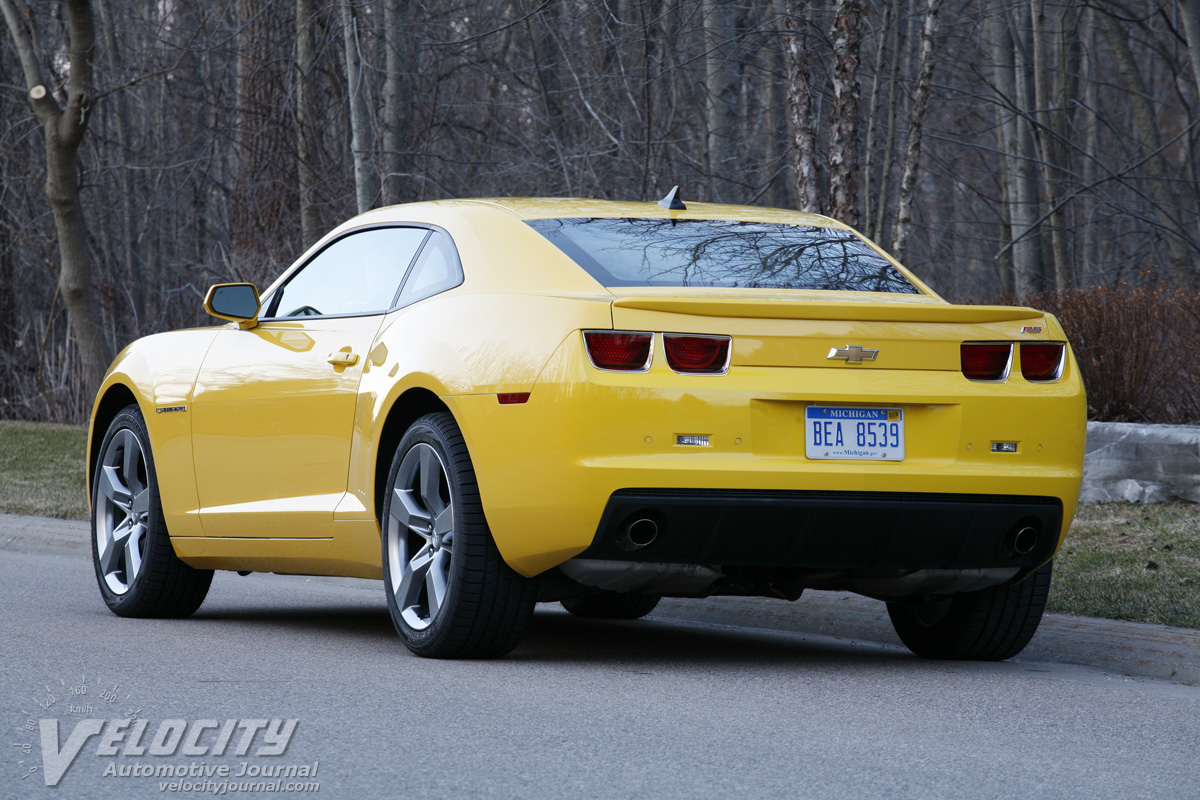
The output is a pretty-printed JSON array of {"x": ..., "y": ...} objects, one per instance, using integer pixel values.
[{"x": 672, "y": 201}]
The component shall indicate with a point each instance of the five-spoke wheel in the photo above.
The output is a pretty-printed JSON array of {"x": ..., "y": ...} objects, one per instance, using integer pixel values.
[
  {"x": 136, "y": 566},
  {"x": 449, "y": 591},
  {"x": 420, "y": 536},
  {"x": 122, "y": 510}
]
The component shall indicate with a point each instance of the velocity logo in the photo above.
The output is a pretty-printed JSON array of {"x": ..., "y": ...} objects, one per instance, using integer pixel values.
[
  {"x": 197, "y": 738},
  {"x": 212, "y": 756}
]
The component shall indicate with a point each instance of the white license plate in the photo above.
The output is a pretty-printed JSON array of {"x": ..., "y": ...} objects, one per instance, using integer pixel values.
[{"x": 860, "y": 434}]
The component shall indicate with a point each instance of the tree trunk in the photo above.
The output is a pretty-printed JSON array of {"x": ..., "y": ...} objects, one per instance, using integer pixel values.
[
  {"x": 912, "y": 152},
  {"x": 1015, "y": 143},
  {"x": 1151, "y": 147},
  {"x": 547, "y": 63},
  {"x": 721, "y": 99},
  {"x": 127, "y": 207},
  {"x": 889, "y": 146},
  {"x": 365, "y": 190},
  {"x": 1190, "y": 11},
  {"x": 652, "y": 88},
  {"x": 400, "y": 57},
  {"x": 1050, "y": 154},
  {"x": 306, "y": 150},
  {"x": 847, "y": 88},
  {"x": 799, "y": 100},
  {"x": 1062, "y": 118},
  {"x": 63, "y": 129},
  {"x": 873, "y": 113}
]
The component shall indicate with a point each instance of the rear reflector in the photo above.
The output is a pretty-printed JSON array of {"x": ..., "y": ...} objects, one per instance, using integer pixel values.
[
  {"x": 697, "y": 354},
  {"x": 512, "y": 398},
  {"x": 624, "y": 351},
  {"x": 986, "y": 361},
  {"x": 1042, "y": 362}
]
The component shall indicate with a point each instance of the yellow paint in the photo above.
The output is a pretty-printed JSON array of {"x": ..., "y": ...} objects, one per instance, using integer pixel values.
[{"x": 273, "y": 465}]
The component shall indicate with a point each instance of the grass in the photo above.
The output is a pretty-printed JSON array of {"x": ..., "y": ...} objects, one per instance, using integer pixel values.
[
  {"x": 1119, "y": 561},
  {"x": 1135, "y": 562},
  {"x": 42, "y": 470}
]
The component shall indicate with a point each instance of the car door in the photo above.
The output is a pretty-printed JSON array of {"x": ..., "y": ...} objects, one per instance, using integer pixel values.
[{"x": 273, "y": 407}]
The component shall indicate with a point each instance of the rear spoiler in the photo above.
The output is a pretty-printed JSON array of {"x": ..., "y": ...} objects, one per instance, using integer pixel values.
[{"x": 811, "y": 309}]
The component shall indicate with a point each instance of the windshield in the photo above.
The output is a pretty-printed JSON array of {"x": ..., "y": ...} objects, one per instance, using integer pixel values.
[{"x": 751, "y": 255}]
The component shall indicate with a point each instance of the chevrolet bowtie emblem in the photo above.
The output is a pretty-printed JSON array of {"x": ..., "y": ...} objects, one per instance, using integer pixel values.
[{"x": 853, "y": 353}]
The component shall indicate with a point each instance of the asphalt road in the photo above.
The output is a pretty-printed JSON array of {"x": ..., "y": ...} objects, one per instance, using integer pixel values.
[{"x": 678, "y": 705}]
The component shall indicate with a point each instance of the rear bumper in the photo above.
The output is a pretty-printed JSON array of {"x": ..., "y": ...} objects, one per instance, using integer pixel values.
[{"x": 818, "y": 530}]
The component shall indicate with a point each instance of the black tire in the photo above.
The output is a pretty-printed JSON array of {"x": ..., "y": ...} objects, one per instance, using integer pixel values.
[
  {"x": 988, "y": 625},
  {"x": 137, "y": 570},
  {"x": 612, "y": 605},
  {"x": 438, "y": 537}
]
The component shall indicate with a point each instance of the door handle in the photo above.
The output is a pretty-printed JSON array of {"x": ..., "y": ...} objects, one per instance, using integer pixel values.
[{"x": 343, "y": 358}]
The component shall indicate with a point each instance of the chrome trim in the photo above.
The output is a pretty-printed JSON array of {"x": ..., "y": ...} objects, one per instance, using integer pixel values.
[
  {"x": 649, "y": 354},
  {"x": 853, "y": 353},
  {"x": 1062, "y": 360},
  {"x": 1007, "y": 366},
  {"x": 728, "y": 352}
]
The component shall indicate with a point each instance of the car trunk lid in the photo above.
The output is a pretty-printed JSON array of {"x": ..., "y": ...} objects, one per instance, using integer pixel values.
[{"x": 828, "y": 329}]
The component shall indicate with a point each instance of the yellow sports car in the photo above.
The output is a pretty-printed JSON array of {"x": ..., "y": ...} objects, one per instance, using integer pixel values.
[{"x": 491, "y": 403}]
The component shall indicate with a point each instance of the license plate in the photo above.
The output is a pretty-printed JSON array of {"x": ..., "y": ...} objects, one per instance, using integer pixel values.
[{"x": 860, "y": 434}]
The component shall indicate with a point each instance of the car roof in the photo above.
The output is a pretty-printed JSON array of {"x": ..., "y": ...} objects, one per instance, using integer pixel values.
[{"x": 530, "y": 208}]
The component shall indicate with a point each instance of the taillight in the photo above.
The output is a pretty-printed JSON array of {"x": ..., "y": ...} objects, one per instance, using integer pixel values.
[
  {"x": 986, "y": 361},
  {"x": 1042, "y": 361},
  {"x": 625, "y": 351},
  {"x": 697, "y": 354}
]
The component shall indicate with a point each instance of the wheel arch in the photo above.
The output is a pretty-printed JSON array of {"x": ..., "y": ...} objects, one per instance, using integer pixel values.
[
  {"x": 116, "y": 397},
  {"x": 410, "y": 406}
]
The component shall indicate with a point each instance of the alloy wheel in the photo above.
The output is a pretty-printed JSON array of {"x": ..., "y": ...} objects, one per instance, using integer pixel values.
[
  {"x": 420, "y": 536},
  {"x": 122, "y": 511}
]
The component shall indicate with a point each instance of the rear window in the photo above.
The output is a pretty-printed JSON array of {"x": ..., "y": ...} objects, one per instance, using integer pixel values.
[{"x": 749, "y": 255}]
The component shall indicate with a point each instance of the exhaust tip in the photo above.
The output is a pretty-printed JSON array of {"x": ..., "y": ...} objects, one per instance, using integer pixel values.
[
  {"x": 1021, "y": 540},
  {"x": 640, "y": 530},
  {"x": 1025, "y": 540}
]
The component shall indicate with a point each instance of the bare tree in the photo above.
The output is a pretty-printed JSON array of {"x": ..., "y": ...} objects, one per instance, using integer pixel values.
[
  {"x": 1015, "y": 145},
  {"x": 63, "y": 128},
  {"x": 1048, "y": 135},
  {"x": 401, "y": 53},
  {"x": 916, "y": 123},
  {"x": 847, "y": 88},
  {"x": 1189, "y": 10},
  {"x": 306, "y": 149},
  {"x": 721, "y": 99},
  {"x": 1041, "y": 154},
  {"x": 360, "y": 120},
  {"x": 796, "y": 23},
  {"x": 1151, "y": 148}
]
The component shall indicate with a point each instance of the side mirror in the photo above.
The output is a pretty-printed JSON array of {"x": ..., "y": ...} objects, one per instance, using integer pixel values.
[{"x": 237, "y": 302}]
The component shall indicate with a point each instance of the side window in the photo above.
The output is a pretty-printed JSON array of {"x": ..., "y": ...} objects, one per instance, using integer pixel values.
[
  {"x": 437, "y": 269},
  {"x": 357, "y": 274}
]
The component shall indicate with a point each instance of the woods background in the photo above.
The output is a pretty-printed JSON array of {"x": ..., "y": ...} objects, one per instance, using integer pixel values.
[{"x": 149, "y": 148}]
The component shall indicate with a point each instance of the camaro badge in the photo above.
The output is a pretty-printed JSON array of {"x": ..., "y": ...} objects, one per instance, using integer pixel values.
[
  {"x": 853, "y": 353},
  {"x": 1031, "y": 329}
]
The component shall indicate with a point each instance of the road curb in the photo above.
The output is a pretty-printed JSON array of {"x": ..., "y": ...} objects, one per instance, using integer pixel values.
[
  {"x": 1127, "y": 648},
  {"x": 44, "y": 535}
]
